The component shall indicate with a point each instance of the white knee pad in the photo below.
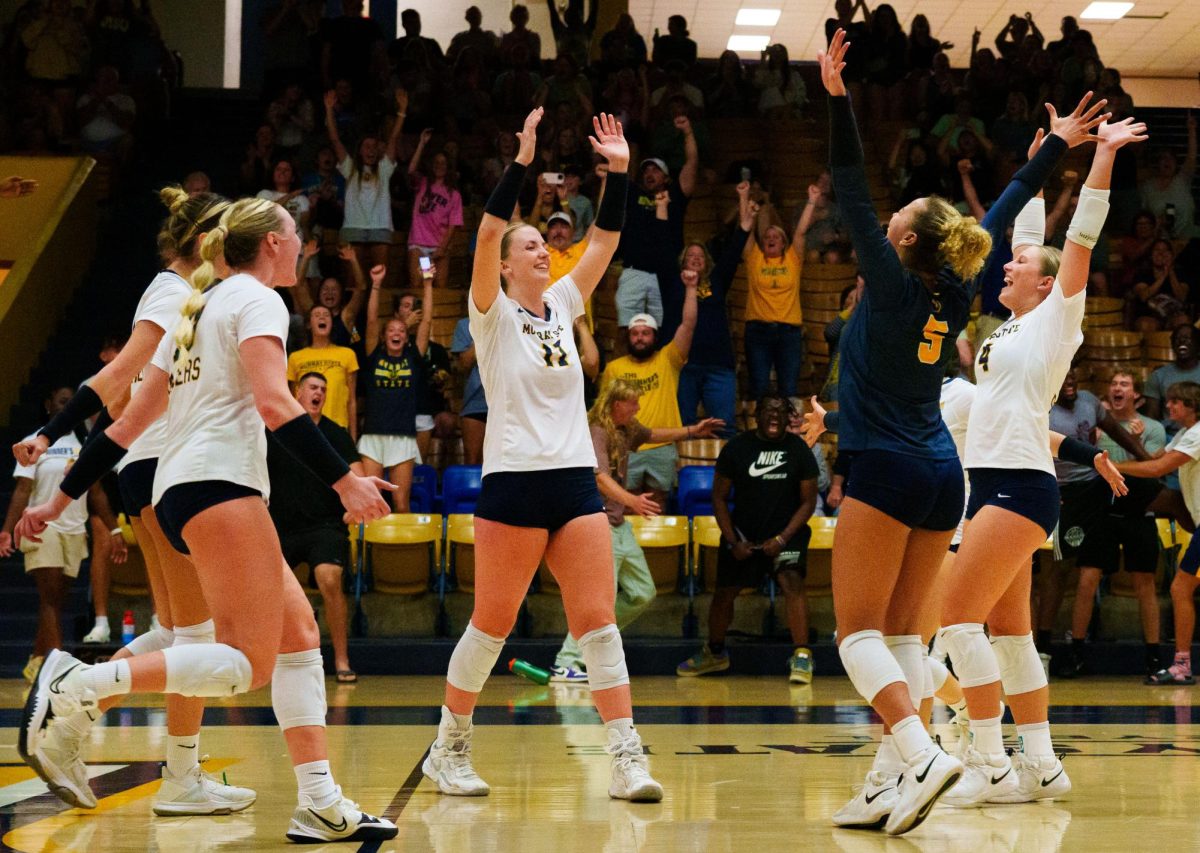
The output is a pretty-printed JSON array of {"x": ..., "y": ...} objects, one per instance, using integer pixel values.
[
  {"x": 190, "y": 635},
  {"x": 210, "y": 669},
  {"x": 937, "y": 674},
  {"x": 604, "y": 657},
  {"x": 298, "y": 689},
  {"x": 927, "y": 688},
  {"x": 1021, "y": 669},
  {"x": 974, "y": 661},
  {"x": 154, "y": 640},
  {"x": 473, "y": 659},
  {"x": 909, "y": 652},
  {"x": 869, "y": 664}
]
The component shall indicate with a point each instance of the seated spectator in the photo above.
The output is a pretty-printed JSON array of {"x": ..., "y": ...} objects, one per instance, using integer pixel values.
[
  {"x": 1168, "y": 193},
  {"x": 308, "y": 517},
  {"x": 289, "y": 196},
  {"x": 709, "y": 378},
  {"x": 339, "y": 366},
  {"x": 368, "y": 213},
  {"x": 196, "y": 183},
  {"x": 781, "y": 92},
  {"x": 1135, "y": 247},
  {"x": 475, "y": 38},
  {"x": 473, "y": 412},
  {"x": 437, "y": 212},
  {"x": 494, "y": 166},
  {"x": 886, "y": 67},
  {"x": 655, "y": 373},
  {"x": 952, "y": 125},
  {"x": 572, "y": 31},
  {"x": 291, "y": 116},
  {"x": 615, "y": 433},
  {"x": 851, "y": 294},
  {"x": 583, "y": 214},
  {"x": 545, "y": 204},
  {"x": 1184, "y": 368},
  {"x": 1158, "y": 293},
  {"x": 326, "y": 188},
  {"x": 675, "y": 46},
  {"x": 567, "y": 152},
  {"x": 55, "y": 45},
  {"x": 774, "y": 334},
  {"x": 520, "y": 36},
  {"x": 764, "y": 535},
  {"x": 258, "y": 164},
  {"x": 727, "y": 93},
  {"x": 395, "y": 390},
  {"x": 622, "y": 47},
  {"x": 106, "y": 116},
  {"x": 820, "y": 224},
  {"x": 975, "y": 150}
]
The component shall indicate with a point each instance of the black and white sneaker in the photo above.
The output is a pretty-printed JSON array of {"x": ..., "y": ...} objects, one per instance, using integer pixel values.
[
  {"x": 57, "y": 691},
  {"x": 342, "y": 821}
]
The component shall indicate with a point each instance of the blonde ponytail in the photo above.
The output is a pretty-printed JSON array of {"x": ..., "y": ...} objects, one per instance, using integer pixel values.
[
  {"x": 189, "y": 217},
  {"x": 966, "y": 246},
  {"x": 201, "y": 280},
  {"x": 947, "y": 238}
]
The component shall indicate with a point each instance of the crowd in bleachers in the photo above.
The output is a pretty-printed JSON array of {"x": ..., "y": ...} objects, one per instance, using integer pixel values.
[{"x": 384, "y": 151}]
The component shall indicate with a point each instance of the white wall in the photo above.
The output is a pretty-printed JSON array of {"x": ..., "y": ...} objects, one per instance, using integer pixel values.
[
  {"x": 196, "y": 28},
  {"x": 441, "y": 20}
]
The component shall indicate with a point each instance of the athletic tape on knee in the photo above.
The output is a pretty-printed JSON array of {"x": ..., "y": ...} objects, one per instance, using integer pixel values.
[
  {"x": 974, "y": 661},
  {"x": 298, "y": 689},
  {"x": 604, "y": 657},
  {"x": 1021, "y": 669},
  {"x": 909, "y": 652},
  {"x": 1089, "y": 217},
  {"x": 473, "y": 659},
  {"x": 190, "y": 635},
  {"x": 869, "y": 664},
  {"x": 937, "y": 674},
  {"x": 154, "y": 640},
  {"x": 209, "y": 669}
]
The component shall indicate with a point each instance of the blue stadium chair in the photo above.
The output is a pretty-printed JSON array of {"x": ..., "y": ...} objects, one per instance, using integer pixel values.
[
  {"x": 460, "y": 488},
  {"x": 424, "y": 489},
  {"x": 695, "y": 490}
]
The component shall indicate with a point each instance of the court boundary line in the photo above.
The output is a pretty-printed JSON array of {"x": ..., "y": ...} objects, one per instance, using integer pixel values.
[{"x": 400, "y": 801}]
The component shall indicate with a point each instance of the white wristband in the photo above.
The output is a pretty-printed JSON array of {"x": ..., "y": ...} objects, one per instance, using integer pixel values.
[
  {"x": 1029, "y": 228},
  {"x": 116, "y": 531},
  {"x": 1089, "y": 217}
]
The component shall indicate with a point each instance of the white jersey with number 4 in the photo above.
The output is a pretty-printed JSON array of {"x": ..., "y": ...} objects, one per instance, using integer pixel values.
[
  {"x": 214, "y": 431},
  {"x": 534, "y": 383},
  {"x": 159, "y": 305},
  {"x": 1018, "y": 373}
]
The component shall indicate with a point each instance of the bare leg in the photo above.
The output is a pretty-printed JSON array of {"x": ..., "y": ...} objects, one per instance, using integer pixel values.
[
  {"x": 329, "y": 581},
  {"x": 101, "y": 569},
  {"x": 797, "y": 605},
  {"x": 52, "y": 590}
]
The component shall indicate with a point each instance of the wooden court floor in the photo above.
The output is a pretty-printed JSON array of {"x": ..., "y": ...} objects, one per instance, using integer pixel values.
[{"x": 749, "y": 764}]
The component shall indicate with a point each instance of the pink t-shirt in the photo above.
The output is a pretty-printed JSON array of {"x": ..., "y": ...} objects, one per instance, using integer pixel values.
[{"x": 436, "y": 209}]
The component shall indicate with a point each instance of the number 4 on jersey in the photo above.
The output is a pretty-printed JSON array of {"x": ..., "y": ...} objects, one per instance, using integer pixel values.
[{"x": 929, "y": 351}]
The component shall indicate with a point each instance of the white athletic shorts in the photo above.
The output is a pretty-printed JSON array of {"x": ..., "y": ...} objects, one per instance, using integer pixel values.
[{"x": 389, "y": 450}]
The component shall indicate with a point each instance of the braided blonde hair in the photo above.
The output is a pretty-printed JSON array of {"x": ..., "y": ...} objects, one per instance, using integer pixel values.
[
  {"x": 189, "y": 217},
  {"x": 236, "y": 238}
]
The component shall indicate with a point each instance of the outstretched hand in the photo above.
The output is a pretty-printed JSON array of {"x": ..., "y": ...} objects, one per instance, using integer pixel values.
[
  {"x": 608, "y": 140},
  {"x": 814, "y": 423},
  {"x": 1121, "y": 133},
  {"x": 1108, "y": 470},
  {"x": 832, "y": 61},
  {"x": 527, "y": 137},
  {"x": 1076, "y": 127}
]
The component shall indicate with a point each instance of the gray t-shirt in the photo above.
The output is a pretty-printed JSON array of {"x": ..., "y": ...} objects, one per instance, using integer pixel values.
[
  {"x": 1163, "y": 378},
  {"x": 1154, "y": 439},
  {"x": 1077, "y": 422}
]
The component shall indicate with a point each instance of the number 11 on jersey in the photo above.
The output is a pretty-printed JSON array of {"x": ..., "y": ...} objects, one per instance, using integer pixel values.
[{"x": 929, "y": 351}]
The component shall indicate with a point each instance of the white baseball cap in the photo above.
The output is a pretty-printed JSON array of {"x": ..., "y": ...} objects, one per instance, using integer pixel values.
[
  {"x": 644, "y": 320},
  {"x": 655, "y": 161},
  {"x": 560, "y": 216}
]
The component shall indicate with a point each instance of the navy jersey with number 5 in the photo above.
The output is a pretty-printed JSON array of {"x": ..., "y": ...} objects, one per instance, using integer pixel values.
[{"x": 892, "y": 350}]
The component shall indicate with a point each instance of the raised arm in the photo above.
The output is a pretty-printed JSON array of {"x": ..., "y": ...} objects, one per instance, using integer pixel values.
[
  {"x": 806, "y": 215},
  {"x": 414, "y": 165},
  {"x": 426, "y": 324},
  {"x": 691, "y": 154},
  {"x": 968, "y": 185},
  {"x": 609, "y": 142},
  {"x": 331, "y": 127},
  {"x": 359, "y": 293},
  {"x": 485, "y": 270},
  {"x": 1158, "y": 466},
  {"x": 691, "y": 310},
  {"x": 371, "y": 338},
  {"x": 392, "y": 150}
]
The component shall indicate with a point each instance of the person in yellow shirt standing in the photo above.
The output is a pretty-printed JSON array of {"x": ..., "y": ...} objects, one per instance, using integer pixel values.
[
  {"x": 655, "y": 374},
  {"x": 774, "y": 336},
  {"x": 339, "y": 366}
]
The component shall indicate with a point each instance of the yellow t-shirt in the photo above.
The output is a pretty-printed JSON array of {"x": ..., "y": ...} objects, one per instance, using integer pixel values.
[
  {"x": 563, "y": 262},
  {"x": 336, "y": 364},
  {"x": 774, "y": 285},
  {"x": 658, "y": 379}
]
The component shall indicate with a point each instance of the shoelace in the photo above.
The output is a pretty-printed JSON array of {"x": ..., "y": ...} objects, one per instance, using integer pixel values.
[
  {"x": 628, "y": 756},
  {"x": 458, "y": 749},
  {"x": 875, "y": 778}
]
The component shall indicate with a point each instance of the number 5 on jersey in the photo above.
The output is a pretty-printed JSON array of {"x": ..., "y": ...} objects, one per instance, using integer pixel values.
[{"x": 929, "y": 351}]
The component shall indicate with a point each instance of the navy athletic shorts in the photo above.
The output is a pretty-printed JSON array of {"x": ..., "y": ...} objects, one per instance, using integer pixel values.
[
  {"x": 917, "y": 492},
  {"x": 543, "y": 499},
  {"x": 181, "y": 503},
  {"x": 1028, "y": 493},
  {"x": 137, "y": 485}
]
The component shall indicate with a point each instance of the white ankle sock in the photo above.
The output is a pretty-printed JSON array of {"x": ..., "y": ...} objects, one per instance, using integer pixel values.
[
  {"x": 910, "y": 738},
  {"x": 960, "y": 709},
  {"x": 183, "y": 753},
  {"x": 461, "y": 721},
  {"x": 887, "y": 758},
  {"x": 110, "y": 678},
  {"x": 1035, "y": 740},
  {"x": 315, "y": 781},
  {"x": 623, "y": 726},
  {"x": 101, "y": 622},
  {"x": 987, "y": 737}
]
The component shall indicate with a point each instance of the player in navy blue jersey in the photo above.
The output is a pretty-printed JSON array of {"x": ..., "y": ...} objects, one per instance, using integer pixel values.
[{"x": 905, "y": 492}]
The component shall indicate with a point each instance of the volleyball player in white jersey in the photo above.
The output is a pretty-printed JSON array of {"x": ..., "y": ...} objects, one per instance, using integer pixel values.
[
  {"x": 539, "y": 496},
  {"x": 174, "y": 587},
  {"x": 226, "y": 370},
  {"x": 1014, "y": 501}
]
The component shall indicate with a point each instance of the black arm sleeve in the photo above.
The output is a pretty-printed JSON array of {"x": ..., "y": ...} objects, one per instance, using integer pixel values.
[
  {"x": 82, "y": 406},
  {"x": 1079, "y": 452},
  {"x": 503, "y": 199},
  {"x": 303, "y": 440},
  {"x": 96, "y": 459},
  {"x": 611, "y": 215}
]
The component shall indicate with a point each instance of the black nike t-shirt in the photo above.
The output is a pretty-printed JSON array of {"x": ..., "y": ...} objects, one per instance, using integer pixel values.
[{"x": 766, "y": 477}]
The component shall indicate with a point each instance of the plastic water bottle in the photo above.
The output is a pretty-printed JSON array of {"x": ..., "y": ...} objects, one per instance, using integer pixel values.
[
  {"x": 128, "y": 628},
  {"x": 527, "y": 670}
]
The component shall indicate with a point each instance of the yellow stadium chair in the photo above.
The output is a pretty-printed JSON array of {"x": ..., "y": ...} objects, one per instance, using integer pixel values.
[
  {"x": 403, "y": 551},
  {"x": 129, "y": 578},
  {"x": 460, "y": 549},
  {"x": 705, "y": 534},
  {"x": 665, "y": 540},
  {"x": 819, "y": 577}
]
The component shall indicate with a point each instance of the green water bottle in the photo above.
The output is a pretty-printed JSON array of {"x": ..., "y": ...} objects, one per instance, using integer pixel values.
[{"x": 527, "y": 670}]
